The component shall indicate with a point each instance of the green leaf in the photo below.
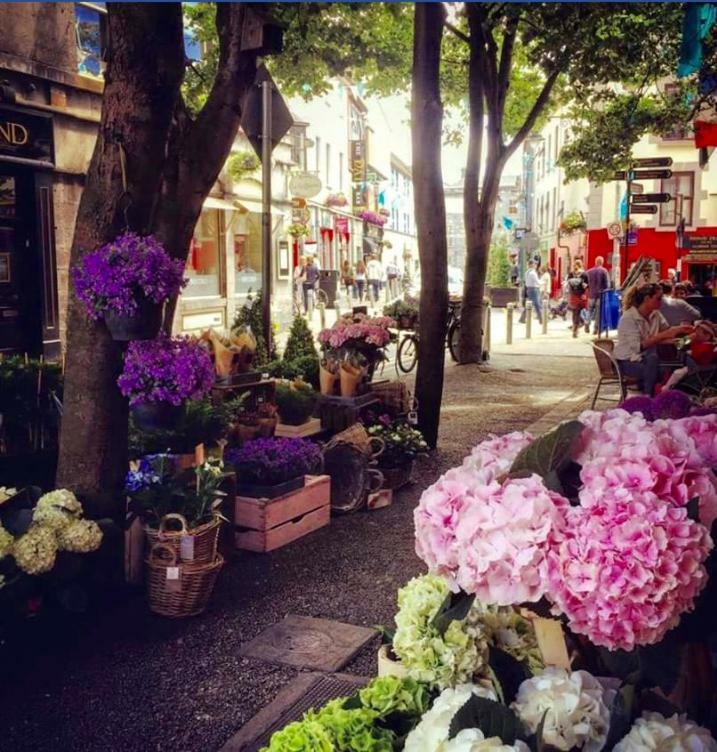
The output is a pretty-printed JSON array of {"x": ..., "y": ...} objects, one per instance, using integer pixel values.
[
  {"x": 492, "y": 718},
  {"x": 693, "y": 509},
  {"x": 547, "y": 454},
  {"x": 387, "y": 634},
  {"x": 508, "y": 671},
  {"x": 455, "y": 607},
  {"x": 352, "y": 703},
  {"x": 621, "y": 713}
]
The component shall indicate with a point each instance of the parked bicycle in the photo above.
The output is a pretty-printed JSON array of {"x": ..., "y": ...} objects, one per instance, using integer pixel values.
[{"x": 407, "y": 352}]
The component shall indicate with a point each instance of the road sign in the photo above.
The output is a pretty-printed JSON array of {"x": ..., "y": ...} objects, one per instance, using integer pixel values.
[
  {"x": 652, "y": 162},
  {"x": 644, "y": 209},
  {"x": 281, "y": 119},
  {"x": 650, "y": 174},
  {"x": 614, "y": 230},
  {"x": 652, "y": 198},
  {"x": 619, "y": 175},
  {"x": 304, "y": 184}
]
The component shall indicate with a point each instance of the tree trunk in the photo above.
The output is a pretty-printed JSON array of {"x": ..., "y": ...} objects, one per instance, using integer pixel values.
[
  {"x": 142, "y": 85},
  {"x": 427, "y": 119}
]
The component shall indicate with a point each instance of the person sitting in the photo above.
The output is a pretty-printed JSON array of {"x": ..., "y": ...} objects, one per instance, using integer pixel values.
[
  {"x": 675, "y": 309},
  {"x": 642, "y": 327}
]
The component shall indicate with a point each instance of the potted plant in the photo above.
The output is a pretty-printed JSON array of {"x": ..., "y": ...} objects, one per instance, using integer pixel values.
[
  {"x": 126, "y": 282},
  {"x": 401, "y": 445},
  {"x": 573, "y": 222},
  {"x": 372, "y": 218},
  {"x": 178, "y": 507},
  {"x": 336, "y": 199},
  {"x": 298, "y": 230},
  {"x": 404, "y": 312},
  {"x": 160, "y": 375},
  {"x": 267, "y": 468},
  {"x": 296, "y": 402}
]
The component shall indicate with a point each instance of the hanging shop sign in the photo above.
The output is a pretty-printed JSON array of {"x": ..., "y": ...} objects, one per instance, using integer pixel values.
[
  {"x": 26, "y": 136},
  {"x": 305, "y": 185}
]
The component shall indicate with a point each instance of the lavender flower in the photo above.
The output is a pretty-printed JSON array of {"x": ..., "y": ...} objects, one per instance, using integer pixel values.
[
  {"x": 270, "y": 461},
  {"x": 671, "y": 404},
  {"x": 641, "y": 404},
  {"x": 166, "y": 370},
  {"x": 116, "y": 276}
]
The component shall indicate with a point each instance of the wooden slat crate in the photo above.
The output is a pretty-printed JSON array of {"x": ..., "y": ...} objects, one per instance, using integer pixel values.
[
  {"x": 310, "y": 428},
  {"x": 267, "y": 524}
]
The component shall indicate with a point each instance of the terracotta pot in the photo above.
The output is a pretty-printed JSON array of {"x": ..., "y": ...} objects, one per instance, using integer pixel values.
[
  {"x": 350, "y": 380},
  {"x": 327, "y": 381}
]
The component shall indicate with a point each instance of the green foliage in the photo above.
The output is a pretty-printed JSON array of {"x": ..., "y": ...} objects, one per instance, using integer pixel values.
[
  {"x": 296, "y": 403},
  {"x": 306, "y": 368},
  {"x": 402, "y": 307},
  {"x": 250, "y": 315},
  {"x": 300, "y": 343},
  {"x": 242, "y": 164},
  {"x": 498, "y": 273},
  {"x": 573, "y": 222}
]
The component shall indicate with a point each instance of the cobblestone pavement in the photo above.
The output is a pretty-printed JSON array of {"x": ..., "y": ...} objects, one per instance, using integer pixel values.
[{"x": 121, "y": 679}]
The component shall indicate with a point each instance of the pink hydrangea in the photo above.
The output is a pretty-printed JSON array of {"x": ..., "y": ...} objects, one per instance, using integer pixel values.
[
  {"x": 607, "y": 434},
  {"x": 356, "y": 330},
  {"x": 489, "y": 539},
  {"x": 624, "y": 570},
  {"x": 493, "y": 457},
  {"x": 697, "y": 435}
]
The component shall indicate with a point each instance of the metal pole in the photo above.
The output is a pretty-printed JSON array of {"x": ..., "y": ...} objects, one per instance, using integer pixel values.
[
  {"x": 528, "y": 319},
  {"x": 266, "y": 211},
  {"x": 546, "y": 306},
  {"x": 509, "y": 323},
  {"x": 623, "y": 262},
  {"x": 487, "y": 335}
]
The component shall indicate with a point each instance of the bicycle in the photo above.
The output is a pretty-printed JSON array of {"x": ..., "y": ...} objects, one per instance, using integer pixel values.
[{"x": 407, "y": 352}]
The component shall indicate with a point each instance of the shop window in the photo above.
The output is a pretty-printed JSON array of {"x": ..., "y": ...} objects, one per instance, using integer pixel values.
[
  {"x": 247, "y": 254},
  {"x": 203, "y": 265},
  {"x": 681, "y": 187},
  {"x": 91, "y": 38},
  {"x": 297, "y": 137},
  {"x": 681, "y": 131},
  {"x": 7, "y": 197}
]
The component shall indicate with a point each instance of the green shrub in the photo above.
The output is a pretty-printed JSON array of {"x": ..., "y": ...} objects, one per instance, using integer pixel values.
[
  {"x": 301, "y": 341},
  {"x": 249, "y": 315},
  {"x": 295, "y": 403},
  {"x": 306, "y": 367}
]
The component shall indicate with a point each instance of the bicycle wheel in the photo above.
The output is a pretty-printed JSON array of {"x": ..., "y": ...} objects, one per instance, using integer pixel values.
[
  {"x": 454, "y": 337},
  {"x": 407, "y": 355},
  {"x": 321, "y": 298}
]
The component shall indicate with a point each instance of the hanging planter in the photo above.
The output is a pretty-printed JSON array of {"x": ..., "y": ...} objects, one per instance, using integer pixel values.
[
  {"x": 126, "y": 282},
  {"x": 156, "y": 416}
]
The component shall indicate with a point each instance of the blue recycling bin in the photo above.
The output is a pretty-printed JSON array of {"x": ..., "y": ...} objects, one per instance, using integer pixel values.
[{"x": 609, "y": 310}]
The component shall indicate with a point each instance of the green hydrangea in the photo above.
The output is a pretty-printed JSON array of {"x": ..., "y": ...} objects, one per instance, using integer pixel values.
[
  {"x": 35, "y": 551},
  {"x": 441, "y": 661},
  {"x": 355, "y": 729},
  {"x": 6, "y": 542},
  {"x": 57, "y": 509},
  {"x": 80, "y": 536},
  {"x": 389, "y": 694},
  {"x": 302, "y": 736},
  {"x": 514, "y": 634}
]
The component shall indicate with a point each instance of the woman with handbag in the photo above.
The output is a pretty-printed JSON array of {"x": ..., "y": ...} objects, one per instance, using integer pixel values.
[{"x": 576, "y": 286}]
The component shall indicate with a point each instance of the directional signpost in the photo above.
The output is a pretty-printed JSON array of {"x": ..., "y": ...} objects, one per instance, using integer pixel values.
[
  {"x": 652, "y": 198},
  {"x": 643, "y": 209}
]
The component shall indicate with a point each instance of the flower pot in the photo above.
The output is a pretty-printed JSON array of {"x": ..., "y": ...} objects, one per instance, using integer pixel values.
[
  {"x": 388, "y": 666},
  {"x": 144, "y": 324},
  {"x": 270, "y": 492},
  {"x": 350, "y": 380},
  {"x": 397, "y": 477},
  {"x": 154, "y": 416},
  {"x": 406, "y": 322},
  {"x": 327, "y": 381}
]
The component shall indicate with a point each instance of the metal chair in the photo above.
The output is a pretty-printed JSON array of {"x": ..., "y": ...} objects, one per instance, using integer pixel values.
[{"x": 609, "y": 370}]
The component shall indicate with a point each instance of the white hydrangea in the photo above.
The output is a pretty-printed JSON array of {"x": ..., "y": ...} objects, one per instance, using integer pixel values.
[
  {"x": 80, "y": 536},
  {"x": 431, "y": 734},
  {"x": 57, "y": 509},
  {"x": 473, "y": 740},
  {"x": 442, "y": 661},
  {"x": 676, "y": 734},
  {"x": 576, "y": 705},
  {"x": 6, "y": 542},
  {"x": 35, "y": 551},
  {"x": 7, "y": 493}
]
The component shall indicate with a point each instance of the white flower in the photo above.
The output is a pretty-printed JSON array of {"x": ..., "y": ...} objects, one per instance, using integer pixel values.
[
  {"x": 57, "y": 509},
  {"x": 473, "y": 740},
  {"x": 676, "y": 734},
  {"x": 7, "y": 493},
  {"x": 6, "y": 542},
  {"x": 81, "y": 536},
  {"x": 35, "y": 551},
  {"x": 431, "y": 734},
  {"x": 577, "y": 711}
]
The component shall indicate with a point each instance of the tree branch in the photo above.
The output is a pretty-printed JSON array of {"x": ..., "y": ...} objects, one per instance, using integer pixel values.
[
  {"x": 457, "y": 32},
  {"x": 506, "y": 62},
  {"x": 535, "y": 111}
]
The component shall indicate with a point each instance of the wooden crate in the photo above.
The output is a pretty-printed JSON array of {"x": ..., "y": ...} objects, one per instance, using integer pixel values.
[
  {"x": 310, "y": 428},
  {"x": 267, "y": 524}
]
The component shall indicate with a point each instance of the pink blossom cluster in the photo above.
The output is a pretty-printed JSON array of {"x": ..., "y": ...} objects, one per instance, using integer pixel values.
[
  {"x": 488, "y": 538},
  {"x": 671, "y": 458},
  {"x": 358, "y": 330},
  {"x": 625, "y": 569},
  {"x": 492, "y": 458}
]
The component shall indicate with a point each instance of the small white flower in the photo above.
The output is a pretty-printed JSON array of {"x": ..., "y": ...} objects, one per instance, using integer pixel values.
[
  {"x": 7, "y": 493},
  {"x": 473, "y": 740},
  {"x": 676, "y": 734},
  {"x": 6, "y": 542},
  {"x": 80, "y": 537},
  {"x": 577, "y": 712},
  {"x": 35, "y": 551}
]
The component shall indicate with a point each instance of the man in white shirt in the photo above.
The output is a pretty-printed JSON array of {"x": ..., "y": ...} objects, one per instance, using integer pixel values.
[
  {"x": 532, "y": 292},
  {"x": 374, "y": 275}
]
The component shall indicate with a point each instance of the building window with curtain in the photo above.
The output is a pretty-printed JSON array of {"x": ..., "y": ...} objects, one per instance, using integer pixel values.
[
  {"x": 246, "y": 232},
  {"x": 203, "y": 264},
  {"x": 681, "y": 186}
]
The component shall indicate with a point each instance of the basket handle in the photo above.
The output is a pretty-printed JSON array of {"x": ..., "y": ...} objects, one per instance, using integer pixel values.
[
  {"x": 173, "y": 516},
  {"x": 380, "y": 446},
  {"x": 158, "y": 548}
]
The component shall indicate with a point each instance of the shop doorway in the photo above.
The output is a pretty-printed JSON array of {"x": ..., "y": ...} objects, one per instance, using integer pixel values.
[{"x": 20, "y": 288}]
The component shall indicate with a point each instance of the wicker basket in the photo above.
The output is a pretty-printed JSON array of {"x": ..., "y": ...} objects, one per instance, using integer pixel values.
[
  {"x": 397, "y": 477},
  {"x": 179, "y": 590},
  {"x": 200, "y": 543},
  {"x": 393, "y": 394}
]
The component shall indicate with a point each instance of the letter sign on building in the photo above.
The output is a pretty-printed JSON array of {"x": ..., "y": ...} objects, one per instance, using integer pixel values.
[{"x": 26, "y": 136}]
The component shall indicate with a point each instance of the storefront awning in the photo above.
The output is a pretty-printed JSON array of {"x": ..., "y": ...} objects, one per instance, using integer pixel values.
[
  {"x": 238, "y": 204},
  {"x": 212, "y": 202}
]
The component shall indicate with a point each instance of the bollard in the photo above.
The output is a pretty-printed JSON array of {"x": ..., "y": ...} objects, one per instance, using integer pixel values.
[
  {"x": 546, "y": 306},
  {"x": 509, "y": 309},
  {"x": 322, "y": 315},
  {"x": 486, "y": 328},
  {"x": 528, "y": 319}
]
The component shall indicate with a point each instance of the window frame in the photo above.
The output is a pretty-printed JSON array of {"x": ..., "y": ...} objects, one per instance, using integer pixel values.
[{"x": 673, "y": 203}]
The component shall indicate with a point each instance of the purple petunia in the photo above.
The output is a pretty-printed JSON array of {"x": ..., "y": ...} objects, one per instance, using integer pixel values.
[
  {"x": 640, "y": 404},
  {"x": 116, "y": 276},
  {"x": 270, "y": 461},
  {"x": 166, "y": 370}
]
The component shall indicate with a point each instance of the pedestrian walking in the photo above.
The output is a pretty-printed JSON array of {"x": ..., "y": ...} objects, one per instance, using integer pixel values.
[
  {"x": 532, "y": 291},
  {"x": 347, "y": 278},
  {"x": 598, "y": 282},
  {"x": 576, "y": 285},
  {"x": 374, "y": 275},
  {"x": 311, "y": 277},
  {"x": 360, "y": 279},
  {"x": 299, "y": 277},
  {"x": 392, "y": 278}
]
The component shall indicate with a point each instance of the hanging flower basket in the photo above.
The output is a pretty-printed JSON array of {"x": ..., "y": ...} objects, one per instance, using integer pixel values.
[
  {"x": 155, "y": 416},
  {"x": 126, "y": 282},
  {"x": 373, "y": 218},
  {"x": 336, "y": 199}
]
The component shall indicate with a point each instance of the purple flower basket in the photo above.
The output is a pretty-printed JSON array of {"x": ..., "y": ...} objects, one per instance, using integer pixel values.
[{"x": 263, "y": 463}]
